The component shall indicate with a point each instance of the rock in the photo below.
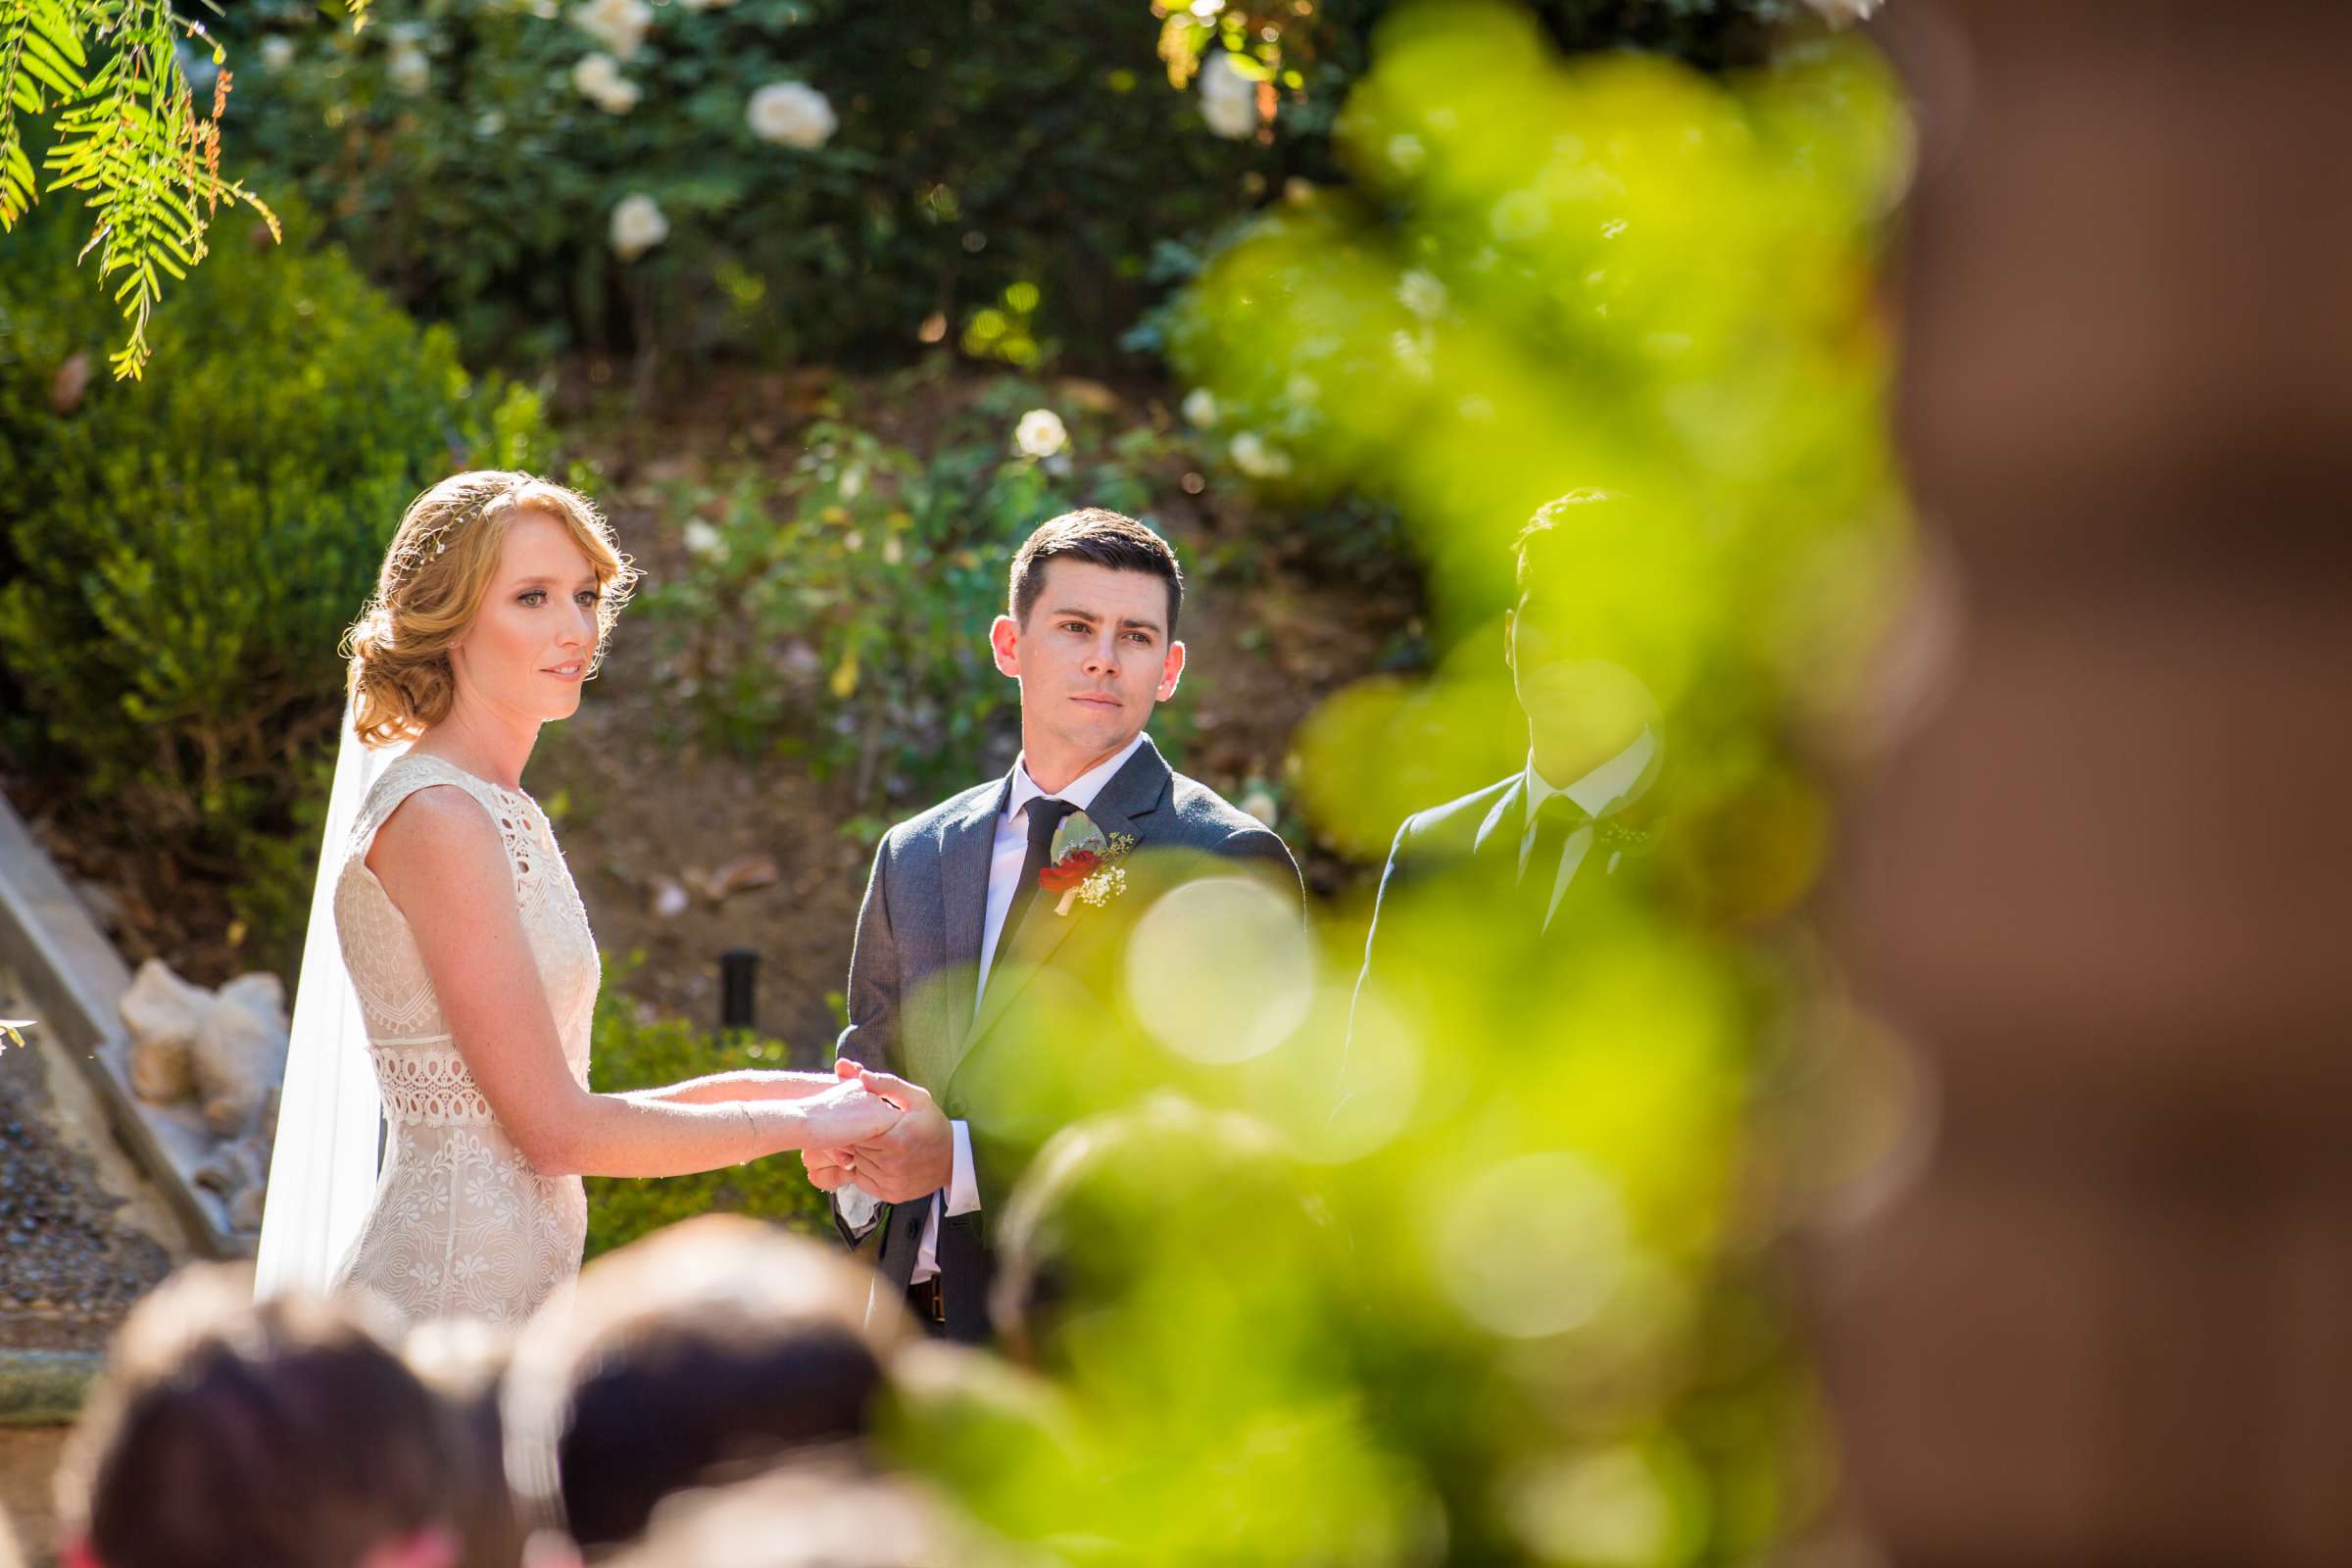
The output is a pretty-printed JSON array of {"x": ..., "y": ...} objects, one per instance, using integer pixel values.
[
  {"x": 742, "y": 874},
  {"x": 239, "y": 1054},
  {"x": 245, "y": 1210},
  {"x": 162, "y": 1014},
  {"x": 238, "y": 1169}
]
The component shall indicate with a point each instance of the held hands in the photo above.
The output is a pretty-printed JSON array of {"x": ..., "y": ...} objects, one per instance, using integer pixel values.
[
  {"x": 848, "y": 1114},
  {"x": 910, "y": 1159}
]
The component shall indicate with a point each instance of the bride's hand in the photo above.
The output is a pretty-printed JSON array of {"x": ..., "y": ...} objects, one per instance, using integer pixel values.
[{"x": 846, "y": 1114}]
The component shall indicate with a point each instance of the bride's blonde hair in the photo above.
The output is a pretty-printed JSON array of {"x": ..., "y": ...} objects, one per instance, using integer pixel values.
[{"x": 434, "y": 579}]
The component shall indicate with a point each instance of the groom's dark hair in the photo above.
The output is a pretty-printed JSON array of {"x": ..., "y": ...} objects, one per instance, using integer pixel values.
[{"x": 1102, "y": 538}]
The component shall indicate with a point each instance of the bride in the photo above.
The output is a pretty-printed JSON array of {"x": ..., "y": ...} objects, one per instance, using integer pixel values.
[{"x": 466, "y": 946}]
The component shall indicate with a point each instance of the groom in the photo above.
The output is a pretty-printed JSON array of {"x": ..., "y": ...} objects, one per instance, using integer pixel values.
[{"x": 955, "y": 926}]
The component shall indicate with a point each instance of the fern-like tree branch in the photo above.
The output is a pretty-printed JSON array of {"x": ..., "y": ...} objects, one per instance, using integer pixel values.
[{"x": 126, "y": 134}]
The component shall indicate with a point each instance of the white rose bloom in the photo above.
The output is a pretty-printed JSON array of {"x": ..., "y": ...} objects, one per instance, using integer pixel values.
[
  {"x": 637, "y": 226},
  {"x": 1228, "y": 99},
  {"x": 702, "y": 539},
  {"x": 278, "y": 53},
  {"x": 598, "y": 77},
  {"x": 618, "y": 24},
  {"x": 1200, "y": 408},
  {"x": 1040, "y": 434},
  {"x": 791, "y": 114},
  {"x": 409, "y": 70},
  {"x": 1251, "y": 454}
]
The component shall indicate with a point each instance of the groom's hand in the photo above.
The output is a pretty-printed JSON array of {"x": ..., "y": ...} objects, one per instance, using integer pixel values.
[
  {"x": 829, "y": 1169},
  {"x": 914, "y": 1158},
  {"x": 832, "y": 1169}
]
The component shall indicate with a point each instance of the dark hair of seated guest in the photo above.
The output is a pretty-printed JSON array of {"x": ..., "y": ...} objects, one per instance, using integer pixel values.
[
  {"x": 463, "y": 1361},
  {"x": 225, "y": 1434},
  {"x": 698, "y": 1355}
]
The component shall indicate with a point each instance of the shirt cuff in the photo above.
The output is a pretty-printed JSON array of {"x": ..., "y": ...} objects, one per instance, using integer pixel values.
[{"x": 963, "y": 1183}]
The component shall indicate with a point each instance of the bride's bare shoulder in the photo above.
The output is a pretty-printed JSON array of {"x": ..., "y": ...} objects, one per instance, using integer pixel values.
[{"x": 437, "y": 836}]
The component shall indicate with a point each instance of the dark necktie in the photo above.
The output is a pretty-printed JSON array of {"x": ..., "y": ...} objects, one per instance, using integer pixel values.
[
  {"x": 1556, "y": 820},
  {"x": 1044, "y": 815}
]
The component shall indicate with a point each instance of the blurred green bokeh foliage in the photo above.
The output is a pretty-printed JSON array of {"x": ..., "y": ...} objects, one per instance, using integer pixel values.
[{"x": 1670, "y": 301}]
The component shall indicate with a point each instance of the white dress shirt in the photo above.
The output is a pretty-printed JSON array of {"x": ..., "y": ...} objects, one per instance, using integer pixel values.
[
  {"x": 1607, "y": 788},
  {"x": 963, "y": 1195}
]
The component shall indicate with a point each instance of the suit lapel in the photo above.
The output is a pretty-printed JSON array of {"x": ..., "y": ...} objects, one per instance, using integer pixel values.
[
  {"x": 1508, "y": 809},
  {"x": 1133, "y": 794},
  {"x": 967, "y": 845}
]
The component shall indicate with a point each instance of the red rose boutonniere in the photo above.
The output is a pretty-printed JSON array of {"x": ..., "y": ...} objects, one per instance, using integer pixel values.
[{"x": 1085, "y": 864}]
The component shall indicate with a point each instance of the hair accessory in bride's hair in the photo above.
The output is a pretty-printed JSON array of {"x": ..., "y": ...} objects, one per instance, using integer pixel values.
[{"x": 470, "y": 512}]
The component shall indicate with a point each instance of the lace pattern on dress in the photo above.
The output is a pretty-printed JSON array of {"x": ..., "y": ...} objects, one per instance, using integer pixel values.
[
  {"x": 461, "y": 1224},
  {"x": 428, "y": 1088}
]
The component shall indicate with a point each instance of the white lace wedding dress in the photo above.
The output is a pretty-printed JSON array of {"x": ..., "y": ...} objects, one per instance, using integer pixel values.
[{"x": 461, "y": 1225}]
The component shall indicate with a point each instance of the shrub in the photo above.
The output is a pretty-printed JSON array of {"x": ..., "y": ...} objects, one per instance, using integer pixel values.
[
  {"x": 633, "y": 1053},
  {"x": 975, "y": 150},
  {"x": 183, "y": 553},
  {"x": 840, "y": 615}
]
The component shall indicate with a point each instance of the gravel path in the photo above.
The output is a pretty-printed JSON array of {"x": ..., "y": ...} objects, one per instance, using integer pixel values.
[{"x": 75, "y": 1249}]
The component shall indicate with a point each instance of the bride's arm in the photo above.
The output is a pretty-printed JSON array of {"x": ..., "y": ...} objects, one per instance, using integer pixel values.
[
  {"x": 747, "y": 1083},
  {"x": 439, "y": 859}
]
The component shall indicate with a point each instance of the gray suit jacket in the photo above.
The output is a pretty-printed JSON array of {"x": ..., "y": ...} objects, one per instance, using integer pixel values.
[{"x": 916, "y": 967}]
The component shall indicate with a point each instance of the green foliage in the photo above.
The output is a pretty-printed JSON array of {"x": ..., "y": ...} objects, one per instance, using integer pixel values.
[
  {"x": 633, "y": 1053},
  {"x": 181, "y": 557},
  {"x": 127, "y": 136},
  {"x": 979, "y": 151},
  {"x": 842, "y": 616}
]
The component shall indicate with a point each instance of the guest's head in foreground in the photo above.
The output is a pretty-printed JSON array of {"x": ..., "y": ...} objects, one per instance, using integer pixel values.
[
  {"x": 809, "y": 1515},
  {"x": 1573, "y": 668},
  {"x": 1090, "y": 632},
  {"x": 1138, "y": 1207},
  {"x": 463, "y": 1361},
  {"x": 225, "y": 1434},
  {"x": 703, "y": 1353},
  {"x": 494, "y": 604}
]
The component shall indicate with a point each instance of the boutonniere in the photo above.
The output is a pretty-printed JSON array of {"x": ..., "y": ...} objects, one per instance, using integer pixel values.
[
  {"x": 1084, "y": 864},
  {"x": 1620, "y": 837}
]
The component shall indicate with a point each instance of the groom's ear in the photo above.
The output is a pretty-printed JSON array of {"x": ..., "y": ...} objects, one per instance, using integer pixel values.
[
  {"x": 1171, "y": 670},
  {"x": 1004, "y": 641}
]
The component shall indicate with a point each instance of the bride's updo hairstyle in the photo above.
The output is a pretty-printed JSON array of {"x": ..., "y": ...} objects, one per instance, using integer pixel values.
[{"x": 434, "y": 579}]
